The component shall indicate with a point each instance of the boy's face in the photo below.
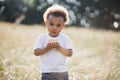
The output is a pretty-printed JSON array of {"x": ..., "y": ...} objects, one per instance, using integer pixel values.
[{"x": 54, "y": 25}]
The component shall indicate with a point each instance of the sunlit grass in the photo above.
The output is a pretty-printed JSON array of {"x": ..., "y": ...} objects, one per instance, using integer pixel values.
[{"x": 96, "y": 53}]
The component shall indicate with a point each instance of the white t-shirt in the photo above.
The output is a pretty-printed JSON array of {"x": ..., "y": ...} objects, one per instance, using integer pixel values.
[{"x": 53, "y": 61}]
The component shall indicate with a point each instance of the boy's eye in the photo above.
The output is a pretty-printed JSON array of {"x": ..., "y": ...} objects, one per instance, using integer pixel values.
[
  {"x": 58, "y": 25},
  {"x": 51, "y": 24}
]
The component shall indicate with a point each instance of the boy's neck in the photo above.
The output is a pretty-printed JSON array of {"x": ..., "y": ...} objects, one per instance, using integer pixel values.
[{"x": 53, "y": 36}]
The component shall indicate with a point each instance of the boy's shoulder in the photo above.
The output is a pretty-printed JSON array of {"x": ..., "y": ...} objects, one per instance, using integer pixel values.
[
  {"x": 43, "y": 35},
  {"x": 64, "y": 35}
]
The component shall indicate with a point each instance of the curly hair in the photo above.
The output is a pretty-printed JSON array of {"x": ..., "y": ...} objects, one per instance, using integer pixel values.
[{"x": 56, "y": 10}]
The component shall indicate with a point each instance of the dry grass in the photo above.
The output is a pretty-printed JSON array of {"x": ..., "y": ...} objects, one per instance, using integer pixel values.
[{"x": 96, "y": 53}]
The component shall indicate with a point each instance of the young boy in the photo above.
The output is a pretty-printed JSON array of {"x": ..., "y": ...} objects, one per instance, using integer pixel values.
[{"x": 53, "y": 47}]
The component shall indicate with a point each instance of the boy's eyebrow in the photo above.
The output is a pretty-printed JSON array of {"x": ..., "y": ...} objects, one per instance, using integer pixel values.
[
  {"x": 56, "y": 24},
  {"x": 50, "y": 22}
]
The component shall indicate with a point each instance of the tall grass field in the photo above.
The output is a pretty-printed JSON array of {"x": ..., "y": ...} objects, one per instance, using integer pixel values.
[{"x": 96, "y": 53}]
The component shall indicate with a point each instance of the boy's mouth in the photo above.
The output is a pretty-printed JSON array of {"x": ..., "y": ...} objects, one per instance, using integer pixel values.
[{"x": 54, "y": 32}]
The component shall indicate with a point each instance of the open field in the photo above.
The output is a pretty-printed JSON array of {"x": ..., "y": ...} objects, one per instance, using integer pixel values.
[{"x": 96, "y": 53}]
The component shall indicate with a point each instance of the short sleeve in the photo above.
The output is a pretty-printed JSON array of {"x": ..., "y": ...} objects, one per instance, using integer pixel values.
[
  {"x": 68, "y": 43},
  {"x": 38, "y": 43}
]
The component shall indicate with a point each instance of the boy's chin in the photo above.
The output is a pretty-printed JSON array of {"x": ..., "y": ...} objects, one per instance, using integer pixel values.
[{"x": 54, "y": 35}]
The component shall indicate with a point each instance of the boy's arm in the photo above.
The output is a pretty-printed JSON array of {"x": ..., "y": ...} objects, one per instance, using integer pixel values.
[
  {"x": 39, "y": 51},
  {"x": 65, "y": 52}
]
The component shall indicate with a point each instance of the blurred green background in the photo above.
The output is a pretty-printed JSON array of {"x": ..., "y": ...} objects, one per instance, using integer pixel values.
[{"x": 101, "y": 14}]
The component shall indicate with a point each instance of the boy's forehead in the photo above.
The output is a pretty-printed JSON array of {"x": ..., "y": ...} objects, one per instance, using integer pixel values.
[{"x": 51, "y": 17}]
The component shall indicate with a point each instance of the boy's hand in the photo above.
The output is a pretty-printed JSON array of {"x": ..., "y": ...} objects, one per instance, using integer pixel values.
[
  {"x": 50, "y": 46},
  {"x": 56, "y": 45},
  {"x": 53, "y": 45}
]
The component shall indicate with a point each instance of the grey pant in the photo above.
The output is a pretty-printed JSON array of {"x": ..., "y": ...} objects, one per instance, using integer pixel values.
[{"x": 55, "y": 76}]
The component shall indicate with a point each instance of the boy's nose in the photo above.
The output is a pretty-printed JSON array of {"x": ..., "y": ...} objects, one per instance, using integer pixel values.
[{"x": 54, "y": 27}]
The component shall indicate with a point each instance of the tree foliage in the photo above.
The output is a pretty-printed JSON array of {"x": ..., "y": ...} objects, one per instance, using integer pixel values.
[{"x": 86, "y": 13}]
